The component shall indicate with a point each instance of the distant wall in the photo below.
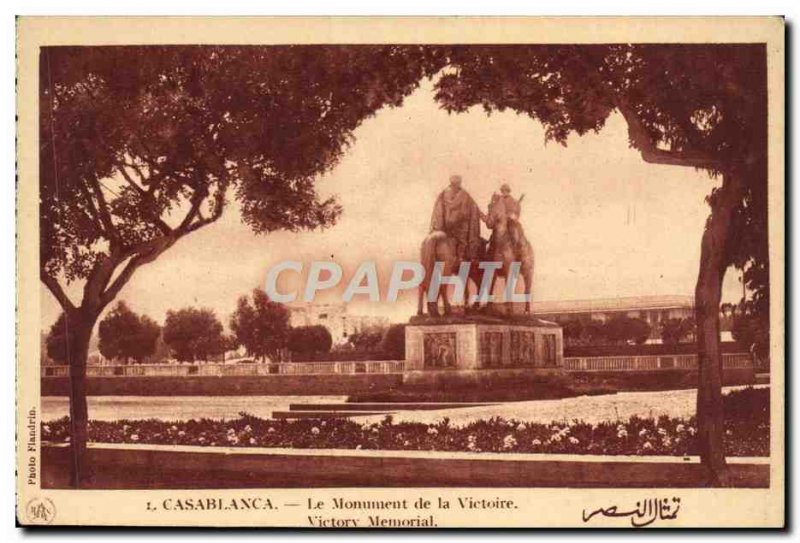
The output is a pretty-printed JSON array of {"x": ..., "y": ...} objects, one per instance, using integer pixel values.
[
  {"x": 277, "y": 385},
  {"x": 351, "y": 384}
]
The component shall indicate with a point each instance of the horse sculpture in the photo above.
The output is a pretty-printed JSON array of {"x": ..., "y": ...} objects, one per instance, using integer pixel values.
[
  {"x": 439, "y": 247},
  {"x": 502, "y": 248}
]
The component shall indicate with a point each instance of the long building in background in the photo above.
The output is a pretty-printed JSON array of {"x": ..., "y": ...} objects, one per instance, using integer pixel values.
[{"x": 655, "y": 310}]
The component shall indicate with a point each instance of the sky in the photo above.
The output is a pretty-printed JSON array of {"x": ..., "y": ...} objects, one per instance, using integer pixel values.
[{"x": 602, "y": 222}]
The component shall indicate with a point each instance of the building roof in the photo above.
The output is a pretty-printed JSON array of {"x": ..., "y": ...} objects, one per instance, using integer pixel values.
[{"x": 628, "y": 303}]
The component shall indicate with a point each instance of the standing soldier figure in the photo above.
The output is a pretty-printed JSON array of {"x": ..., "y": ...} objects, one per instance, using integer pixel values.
[
  {"x": 456, "y": 214},
  {"x": 513, "y": 209}
]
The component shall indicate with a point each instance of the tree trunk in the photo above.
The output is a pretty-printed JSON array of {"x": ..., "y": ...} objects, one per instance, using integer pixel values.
[
  {"x": 708, "y": 292},
  {"x": 81, "y": 325}
]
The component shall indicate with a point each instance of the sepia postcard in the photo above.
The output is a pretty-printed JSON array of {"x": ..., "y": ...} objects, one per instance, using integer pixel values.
[{"x": 400, "y": 272}]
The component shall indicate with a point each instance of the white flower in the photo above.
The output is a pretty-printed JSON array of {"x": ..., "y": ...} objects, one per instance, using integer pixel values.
[
  {"x": 358, "y": 447},
  {"x": 315, "y": 431},
  {"x": 574, "y": 440},
  {"x": 662, "y": 431},
  {"x": 692, "y": 431},
  {"x": 520, "y": 427},
  {"x": 620, "y": 427},
  {"x": 432, "y": 431},
  {"x": 233, "y": 439},
  {"x": 556, "y": 438},
  {"x": 252, "y": 441},
  {"x": 623, "y": 433},
  {"x": 555, "y": 429},
  {"x": 231, "y": 431},
  {"x": 181, "y": 433},
  {"x": 471, "y": 445},
  {"x": 134, "y": 437},
  {"x": 125, "y": 427},
  {"x": 202, "y": 440},
  {"x": 172, "y": 428},
  {"x": 406, "y": 443},
  {"x": 647, "y": 445},
  {"x": 728, "y": 432},
  {"x": 509, "y": 442},
  {"x": 471, "y": 438},
  {"x": 46, "y": 428},
  {"x": 680, "y": 428},
  {"x": 324, "y": 423},
  {"x": 643, "y": 432},
  {"x": 271, "y": 431},
  {"x": 248, "y": 429},
  {"x": 536, "y": 442},
  {"x": 666, "y": 441}
]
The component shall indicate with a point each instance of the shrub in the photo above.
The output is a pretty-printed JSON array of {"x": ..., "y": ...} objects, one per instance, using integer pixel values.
[
  {"x": 393, "y": 343},
  {"x": 310, "y": 339}
]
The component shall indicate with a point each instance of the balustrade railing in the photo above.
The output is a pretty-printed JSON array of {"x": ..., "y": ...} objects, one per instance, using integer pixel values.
[
  {"x": 237, "y": 370},
  {"x": 650, "y": 362}
]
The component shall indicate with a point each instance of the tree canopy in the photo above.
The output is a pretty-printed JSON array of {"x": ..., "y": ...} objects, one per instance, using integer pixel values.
[
  {"x": 56, "y": 342},
  {"x": 701, "y": 106},
  {"x": 310, "y": 339},
  {"x": 143, "y": 145},
  {"x": 125, "y": 335},
  {"x": 261, "y": 326},
  {"x": 674, "y": 331},
  {"x": 194, "y": 334}
]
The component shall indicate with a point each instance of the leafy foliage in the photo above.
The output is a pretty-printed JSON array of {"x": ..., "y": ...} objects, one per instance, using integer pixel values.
[
  {"x": 261, "y": 326},
  {"x": 366, "y": 340},
  {"x": 310, "y": 339},
  {"x": 674, "y": 331},
  {"x": 702, "y": 106},
  {"x": 125, "y": 335},
  {"x": 751, "y": 328},
  {"x": 143, "y": 145},
  {"x": 393, "y": 343},
  {"x": 56, "y": 343},
  {"x": 194, "y": 334},
  {"x": 620, "y": 329}
]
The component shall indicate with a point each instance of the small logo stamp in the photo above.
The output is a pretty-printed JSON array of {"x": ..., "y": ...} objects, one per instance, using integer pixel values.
[{"x": 40, "y": 511}]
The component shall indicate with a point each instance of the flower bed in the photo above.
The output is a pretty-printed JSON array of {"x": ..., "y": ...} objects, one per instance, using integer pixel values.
[{"x": 746, "y": 433}]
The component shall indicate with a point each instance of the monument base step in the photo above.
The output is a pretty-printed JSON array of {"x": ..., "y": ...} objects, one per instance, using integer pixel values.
[
  {"x": 481, "y": 377},
  {"x": 383, "y": 406}
]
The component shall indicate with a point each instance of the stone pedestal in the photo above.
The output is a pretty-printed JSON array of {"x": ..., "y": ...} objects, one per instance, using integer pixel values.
[{"x": 474, "y": 345}]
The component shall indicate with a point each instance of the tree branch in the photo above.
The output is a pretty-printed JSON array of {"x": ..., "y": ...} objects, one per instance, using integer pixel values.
[
  {"x": 197, "y": 200},
  {"x": 129, "y": 179},
  {"x": 94, "y": 213},
  {"x": 147, "y": 199},
  {"x": 55, "y": 288},
  {"x": 641, "y": 141},
  {"x": 105, "y": 214},
  {"x": 637, "y": 133},
  {"x": 219, "y": 202},
  {"x": 145, "y": 253}
]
